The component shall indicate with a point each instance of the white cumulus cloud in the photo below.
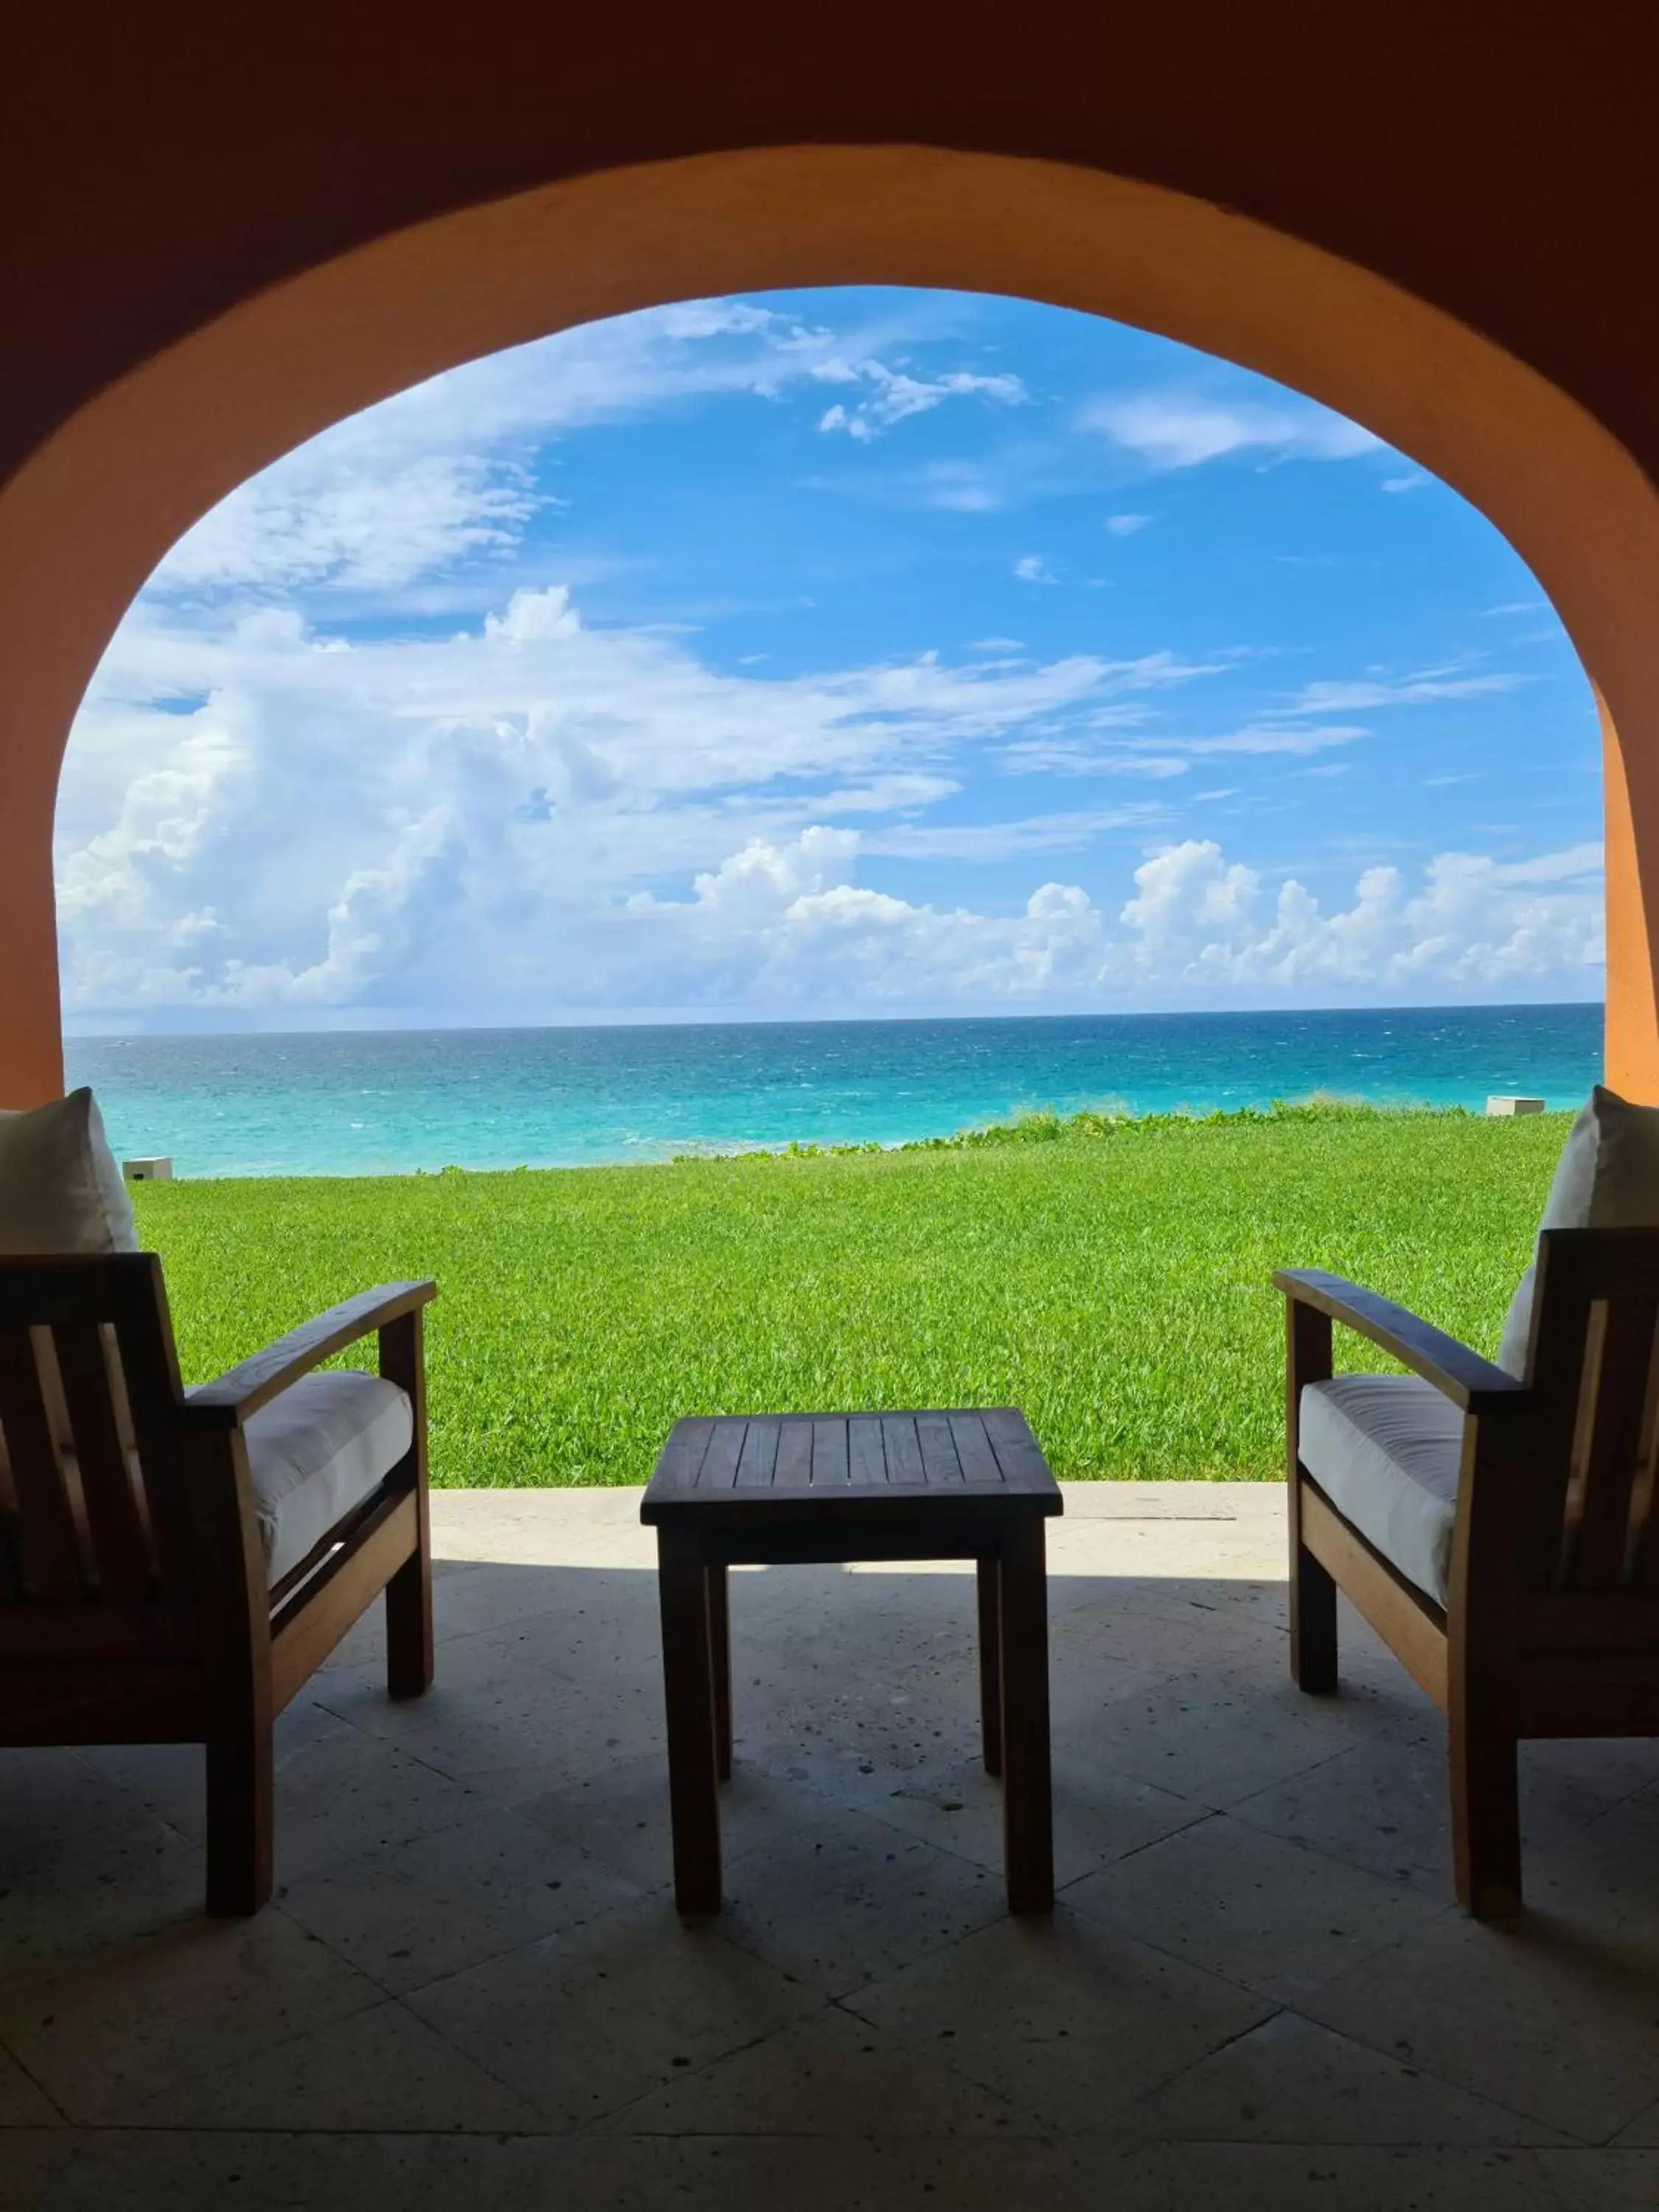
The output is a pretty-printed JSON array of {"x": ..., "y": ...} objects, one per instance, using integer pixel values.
[
  {"x": 256, "y": 811},
  {"x": 1203, "y": 924}
]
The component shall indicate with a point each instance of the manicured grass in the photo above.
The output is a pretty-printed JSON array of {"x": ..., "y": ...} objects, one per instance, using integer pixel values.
[{"x": 1113, "y": 1284}]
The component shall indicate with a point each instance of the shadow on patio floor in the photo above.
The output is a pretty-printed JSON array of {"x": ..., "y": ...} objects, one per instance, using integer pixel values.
[{"x": 1255, "y": 1990}]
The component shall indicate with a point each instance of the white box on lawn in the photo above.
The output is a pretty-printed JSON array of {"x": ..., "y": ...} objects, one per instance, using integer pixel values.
[
  {"x": 1515, "y": 1105},
  {"x": 158, "y": 1169}
]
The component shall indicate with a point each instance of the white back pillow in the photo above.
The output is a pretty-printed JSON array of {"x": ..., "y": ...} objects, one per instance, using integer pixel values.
[
  {"x": 60, "y": 1188},
  {"x": 1607, "y": 1178}
]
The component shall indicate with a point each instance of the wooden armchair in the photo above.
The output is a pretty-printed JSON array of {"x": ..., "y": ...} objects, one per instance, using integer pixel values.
[
  {"x": 175, "y": 1564},
  {"x": 1502, "y": 1536}
]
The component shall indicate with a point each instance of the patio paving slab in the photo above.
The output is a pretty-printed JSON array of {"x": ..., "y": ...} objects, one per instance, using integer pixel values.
[
  {"x": 102, "y": 2030},
  {"x": 23, "y": 2103},
  {"x": 1531, "y": 2015},
  {"x": 619, "y": 1816},
  {"x": 491, "y": 1883},
  {"x": 851, "y": 1900},
  {"x": 380, "y": 2071},
  {"x": 1066, "y": 2019},
  {"x": 1274, "y": 1918},
  {"x": 1292, "y": 2082},
  {"x": 1603, "y": 2180},
  {"x": 806, "y": 2078},
  {"x": 586, "y": 2021},
  {"x": 1099, "y": 1817}
]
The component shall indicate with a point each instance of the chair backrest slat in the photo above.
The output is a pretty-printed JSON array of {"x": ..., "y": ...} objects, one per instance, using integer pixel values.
[
  {"x": 149, "y": 1366},
  {"x": 1596, "y": 1382},
  {"x": 49, "y": 1541},
  {"x": 1618, "y": 1368},
  {"x": 1559, "y": 1359},
  {"x": 81, "y": 1525},
  {"x": 116, "y": 1523}
]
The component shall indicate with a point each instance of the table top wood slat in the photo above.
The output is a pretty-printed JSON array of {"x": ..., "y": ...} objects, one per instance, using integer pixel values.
[
  {"x": 683, "y": 1456},
  {"x": 829, "y": 1469},
  {"x": 866, "y": 1456},
  {"x": 758, "y": 1457},
  {"x": 898, "y": 1437},
  {"x": 939, "y": 1463},
  {"x": 720, "y": 1466},
  {"x": 1015, "y": 1446},
  {"x": 971, "y": 1461},
  {"x": 793, "y": 1468},
  {"x": 979, "y": 1462}
]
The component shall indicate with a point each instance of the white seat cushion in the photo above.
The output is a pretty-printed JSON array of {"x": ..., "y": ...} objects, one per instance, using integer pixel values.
[
  {"x": 1384, "y": 1448},
  {"x": 317, "y": 1452}
]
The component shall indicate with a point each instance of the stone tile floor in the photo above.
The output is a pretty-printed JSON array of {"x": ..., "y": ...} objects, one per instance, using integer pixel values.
[{"x": 473, "y": 1986}]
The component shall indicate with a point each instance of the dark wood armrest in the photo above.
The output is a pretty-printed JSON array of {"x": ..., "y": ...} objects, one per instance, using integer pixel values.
[
  {"x": 1463, "y": 1375},
  {"x": 242, "y": 1389}
]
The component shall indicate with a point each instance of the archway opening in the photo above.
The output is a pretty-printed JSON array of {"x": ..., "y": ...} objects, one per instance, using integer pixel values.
[{"x": 84, "y": 521}]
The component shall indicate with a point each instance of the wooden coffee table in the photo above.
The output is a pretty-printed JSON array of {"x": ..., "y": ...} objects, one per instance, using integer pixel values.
[{"x": 774, "y": 1490}]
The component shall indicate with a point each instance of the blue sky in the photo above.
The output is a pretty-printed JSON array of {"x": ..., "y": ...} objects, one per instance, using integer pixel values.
[{"x": 835, "y": 653}]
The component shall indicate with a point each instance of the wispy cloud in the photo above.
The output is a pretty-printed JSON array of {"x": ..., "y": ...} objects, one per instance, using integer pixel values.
[
  {"x": 955, "y": 486},
  {"x": 1126, "y": 525},
  {"x": 1339, "y": 698},
  {"x": 1006, "y": 840},
  {"x": 442, "y": 474},
  {"x": 1080, "y": 757},
  {"x": 1263, "y": 739},
  {"x": 886, "y": 795},
  {"x": 1161, "y": 756},
  {"x": 893, "y": 394},
  {"x": 1173, "y": 429},
  {"x": 1577, "y": 860}
]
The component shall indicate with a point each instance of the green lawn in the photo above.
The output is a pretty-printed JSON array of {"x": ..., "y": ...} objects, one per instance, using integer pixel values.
[{"x": 1113, "y": 1284}]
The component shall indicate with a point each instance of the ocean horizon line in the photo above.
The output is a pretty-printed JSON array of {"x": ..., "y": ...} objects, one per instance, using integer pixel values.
[
  {"x": 390, "y": 1102},
  {"x": 664, "y": 1019}
]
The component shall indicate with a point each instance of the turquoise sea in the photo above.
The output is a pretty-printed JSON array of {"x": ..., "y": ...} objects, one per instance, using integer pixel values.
[{"x": 390, "y": 1101}]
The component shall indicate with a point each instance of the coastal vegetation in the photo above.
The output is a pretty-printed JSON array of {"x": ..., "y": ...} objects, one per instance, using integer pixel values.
[{"x": 1109, "y": 1275}]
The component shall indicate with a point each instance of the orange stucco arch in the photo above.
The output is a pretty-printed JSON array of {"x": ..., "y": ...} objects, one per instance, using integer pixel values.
[{"x": 93, "y": 508}]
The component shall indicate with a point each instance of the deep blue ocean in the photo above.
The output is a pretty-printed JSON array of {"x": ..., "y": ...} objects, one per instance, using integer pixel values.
[{"x": 390, "y": 1101}]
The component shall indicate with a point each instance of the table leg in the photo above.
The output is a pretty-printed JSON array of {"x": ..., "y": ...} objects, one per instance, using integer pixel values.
[
  {"x": 683, "y": 1587},
  {"x": 1027, "y": 1788},
  {"x": 990, "y": 1664},
  {"x": 719, "y": 1655}
]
